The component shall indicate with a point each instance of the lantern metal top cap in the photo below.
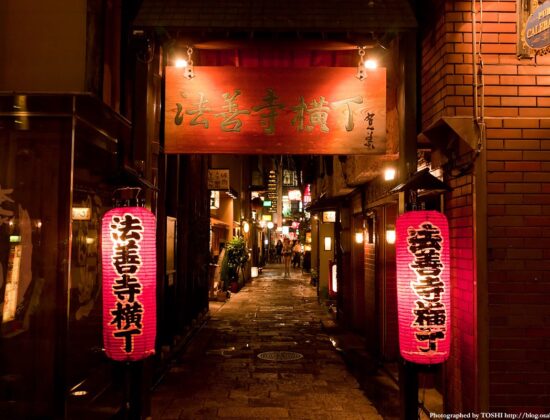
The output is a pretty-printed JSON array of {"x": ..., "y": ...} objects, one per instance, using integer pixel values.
[{"x": 128, "y": 197}]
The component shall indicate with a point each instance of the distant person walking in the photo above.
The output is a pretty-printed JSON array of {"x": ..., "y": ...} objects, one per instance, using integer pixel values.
[
  {"x": 279, "y": 248},
  {"x": 287, "y": 255},
  {"x": 296, "y": 254}
]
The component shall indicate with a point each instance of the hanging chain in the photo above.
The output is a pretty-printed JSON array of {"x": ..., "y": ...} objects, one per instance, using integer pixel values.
[
  {"x": 361, "y": 53},
  {"x": 190, "y": 56}
]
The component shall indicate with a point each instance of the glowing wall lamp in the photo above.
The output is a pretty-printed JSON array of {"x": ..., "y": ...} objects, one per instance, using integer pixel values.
[
  {"x": 328, "y": 243},
  {"x": 270, "y": 225},
  {"x": 246, "y": 227},
  {"x": 370, "y": 64},
  {"x": 390, "y": 234},
  {"x": 359, "y": 237},
  {"x": 129, "y": 264},
  {"x": 389, "y": 174},
  {"x": 423, "y": 286},
  {"x": 181, "y": 63}
]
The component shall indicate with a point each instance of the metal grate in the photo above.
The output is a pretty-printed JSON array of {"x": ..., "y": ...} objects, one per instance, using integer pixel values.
[{"x": 280, "y": 356}]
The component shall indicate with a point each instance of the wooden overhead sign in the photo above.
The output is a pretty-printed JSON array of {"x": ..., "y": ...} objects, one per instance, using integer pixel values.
[{"x": 323, "y": 110}]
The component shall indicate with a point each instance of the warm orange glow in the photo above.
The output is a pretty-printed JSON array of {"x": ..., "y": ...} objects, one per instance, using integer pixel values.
[
  {"x": 181, "y": 63},
  {"x": 291, "y": 91},
  {"x": 390, "y": 235},
  {"x": 371, "y": 64},
  {"x": 389, "y": 174}
]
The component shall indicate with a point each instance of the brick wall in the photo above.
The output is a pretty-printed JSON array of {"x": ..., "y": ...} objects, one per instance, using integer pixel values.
[
  {"x": 519, "y": 264},
  {"x": 518, "y": 201},
  {"x": 460, "y": 387},
  {"x": 440, "y": 81}
]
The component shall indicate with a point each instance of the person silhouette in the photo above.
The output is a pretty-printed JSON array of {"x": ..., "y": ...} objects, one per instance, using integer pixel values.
[{"x": 287, "y": 255}]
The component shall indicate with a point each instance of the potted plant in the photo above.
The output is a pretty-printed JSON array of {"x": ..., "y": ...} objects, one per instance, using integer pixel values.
[
  {"x": 314, "y": 277},
  {"x": 236, "y": 256}
]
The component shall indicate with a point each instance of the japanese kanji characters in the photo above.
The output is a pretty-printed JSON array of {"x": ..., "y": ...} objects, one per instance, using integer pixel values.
[
  {"x": 126, "y": 235},
  {"x": 423, "y": 286}
]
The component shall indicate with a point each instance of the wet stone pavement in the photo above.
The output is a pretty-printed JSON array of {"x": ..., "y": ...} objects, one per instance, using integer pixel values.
[{"x": 221, "y": 376}]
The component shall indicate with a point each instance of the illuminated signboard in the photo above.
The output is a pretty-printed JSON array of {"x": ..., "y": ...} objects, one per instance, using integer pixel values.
[
  {"x": 218, "y": 179},
  {"x": 423, "y": 286},
  {"x": 537, "y": 28},
  {"x": 272, "y": 193},
  {"x": 214, "y": 200},
  {"x": 329, "y": 216},
  {"x": 321, "y": 110},
  {"x": 129, "y": 283},
  {"x": 294, "y": 195},
  {"x": 82, "y": 213}
]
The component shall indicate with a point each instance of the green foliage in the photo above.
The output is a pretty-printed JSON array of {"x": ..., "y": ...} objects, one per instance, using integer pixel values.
[
  {"x": 237, "y": 253},
  {"x": 235, "y": 258},
  {"x": 314, "y": 274},
  {"x": 225, "y": 274}
]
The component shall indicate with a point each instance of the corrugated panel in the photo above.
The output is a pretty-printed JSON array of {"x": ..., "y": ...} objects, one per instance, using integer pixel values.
[{"x": 280, "y": 15}]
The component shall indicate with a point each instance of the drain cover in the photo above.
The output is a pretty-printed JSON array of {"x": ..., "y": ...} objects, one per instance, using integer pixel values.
[{"x": 280, "y": 356}]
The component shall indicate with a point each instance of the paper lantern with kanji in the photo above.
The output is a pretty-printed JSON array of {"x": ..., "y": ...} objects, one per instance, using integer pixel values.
[
  {"x": 129, "y": 283},
  {"x": 423, "y": 286}
]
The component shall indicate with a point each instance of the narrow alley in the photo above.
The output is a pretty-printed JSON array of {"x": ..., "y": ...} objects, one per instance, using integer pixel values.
[{"x": 224, "y": 372}]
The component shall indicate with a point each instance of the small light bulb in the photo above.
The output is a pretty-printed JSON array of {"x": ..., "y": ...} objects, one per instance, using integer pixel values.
[
  {"x": 181, "y": 63},
  {"x": 390, "y": 235},
  {"x": 389, "y": 174},
  {"x": 370, "y": 64}
]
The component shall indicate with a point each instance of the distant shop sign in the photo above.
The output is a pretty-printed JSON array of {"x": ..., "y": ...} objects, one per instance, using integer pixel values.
[
  {"x": 329, "y": 216},
  {"x": 275, "y": 111},
  {"x": 218, "y": 179},
  {"x": 537, "y": 28}
]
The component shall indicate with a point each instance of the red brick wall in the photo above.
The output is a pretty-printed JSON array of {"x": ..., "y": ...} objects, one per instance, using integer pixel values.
[
  {"x": 519, "y": 263},
  {"x": 440, "y": 82},
  {"x": 518, "y": 160},
  {"x": 460, "y": 387}
]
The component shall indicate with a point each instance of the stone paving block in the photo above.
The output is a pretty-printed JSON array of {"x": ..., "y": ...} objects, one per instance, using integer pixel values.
[
  {"x": 307, "y": 414},
  {"x": 225, "y": 403},
  {"x": 170, "y": 413},
  {"x": 180, "y": 403},
  {"x": 290, "y": 396},
  {"x": 344, "y": 415},
  {"x": 198, "y": 414},
  {"x": 253, "y": 412},
  {"x": 250, "y": 393},
  {"x": 271, "y": 314},
  {"x": 267, "y": 402}
]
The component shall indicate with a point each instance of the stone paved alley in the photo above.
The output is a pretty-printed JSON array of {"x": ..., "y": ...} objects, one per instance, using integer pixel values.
[{"x": 221, "y": 376}]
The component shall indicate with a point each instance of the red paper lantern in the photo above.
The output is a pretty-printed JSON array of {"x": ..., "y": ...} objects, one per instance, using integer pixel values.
[
  {"x": 129, "y": 283},
  {"x": 423, "y": 286}
]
